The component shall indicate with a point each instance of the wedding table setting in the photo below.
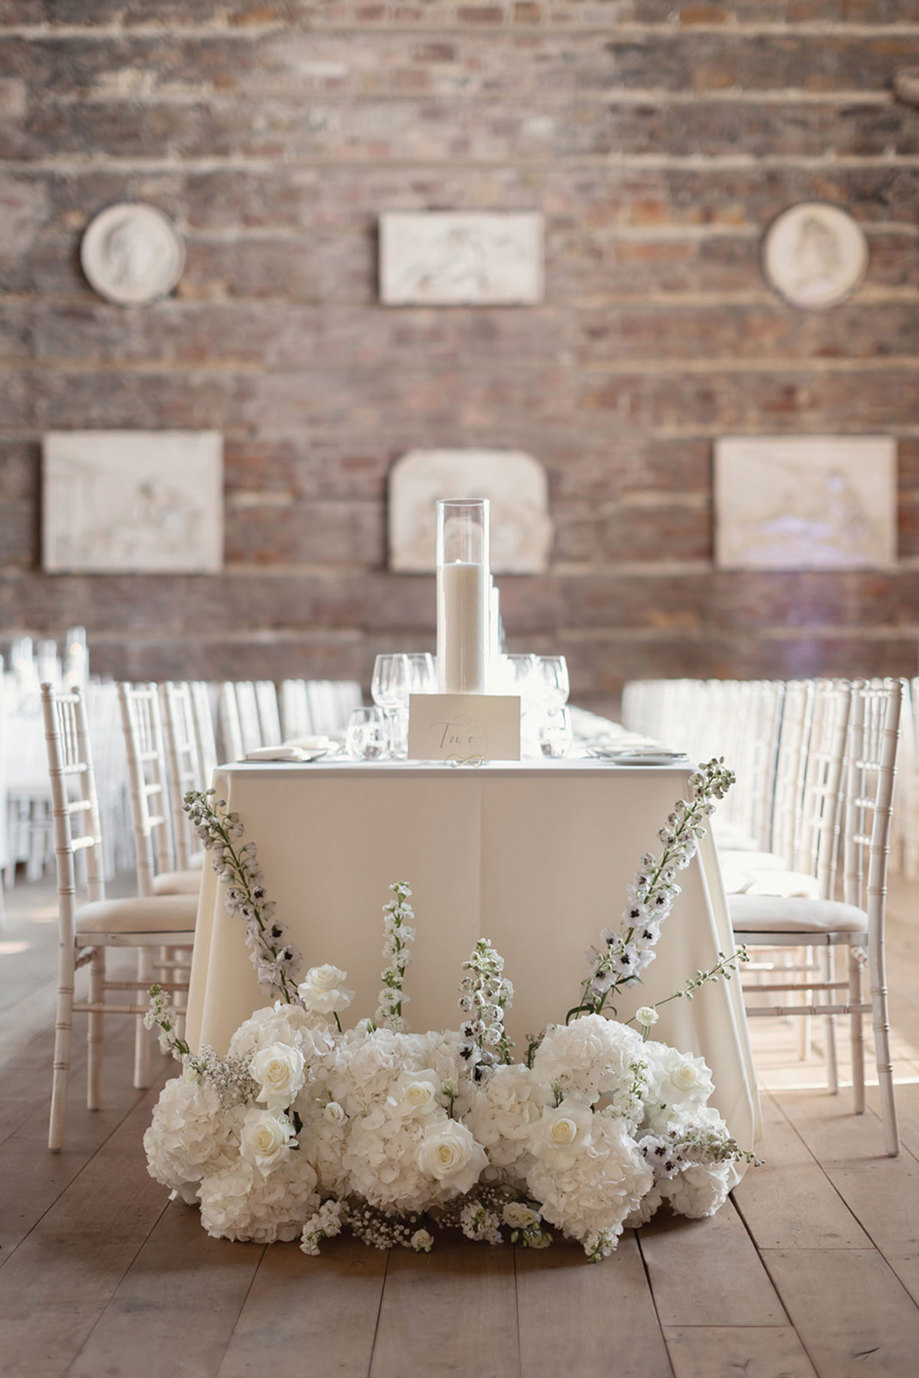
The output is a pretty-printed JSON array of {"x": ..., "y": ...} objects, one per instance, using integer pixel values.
[{"x": 541, "y": 867}]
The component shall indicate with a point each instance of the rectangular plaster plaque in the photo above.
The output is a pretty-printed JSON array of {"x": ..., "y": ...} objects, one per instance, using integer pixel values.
[
  {"x": 132, "y": 501},
  {"x": 514, "y": 483},
  {"x": 805, "y": 502},
  {"x": 447, "y": 258}
]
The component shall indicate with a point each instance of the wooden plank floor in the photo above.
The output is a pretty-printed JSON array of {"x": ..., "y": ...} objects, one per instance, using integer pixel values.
[{"x": 812, "y": 1268}]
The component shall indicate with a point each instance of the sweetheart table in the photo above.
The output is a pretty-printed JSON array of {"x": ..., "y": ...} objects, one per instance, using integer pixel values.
[{"x": 535, "y": 855}]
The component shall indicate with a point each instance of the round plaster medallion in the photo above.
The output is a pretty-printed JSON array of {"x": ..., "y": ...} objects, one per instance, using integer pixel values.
[
  {"x": 815, "y": 255},
  {"x": 132, "y": 253}
]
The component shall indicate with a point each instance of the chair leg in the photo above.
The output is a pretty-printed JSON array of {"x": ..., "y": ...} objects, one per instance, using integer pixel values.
[
  {"x": 63, "y": 1026},
  {"x": 857, "y": 1027},
  {"x": 141, "y": 1033},
  {"x": 832, "y": 1065},
  {"x": 880, "y": 1021},
  {"x": 94, "y": 1031}
]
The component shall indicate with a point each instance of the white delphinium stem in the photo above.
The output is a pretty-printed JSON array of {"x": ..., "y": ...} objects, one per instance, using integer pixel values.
[
  {"x": 276, "y": 962},
  {"x": 485, "y": 994},
  {"x": 398, "y": 935},
  {"x": 626, "y": 953},
  {"x": 724, "y": 968}
]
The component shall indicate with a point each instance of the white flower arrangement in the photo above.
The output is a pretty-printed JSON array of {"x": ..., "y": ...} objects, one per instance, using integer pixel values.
[{"x": 305, "y": 1129}]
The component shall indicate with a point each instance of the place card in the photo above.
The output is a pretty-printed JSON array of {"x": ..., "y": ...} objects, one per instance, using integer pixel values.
[{"x": 465, "y": 728}]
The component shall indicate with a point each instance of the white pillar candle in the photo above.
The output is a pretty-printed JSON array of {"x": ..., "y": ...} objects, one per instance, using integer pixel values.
[
  {"x": 463, "y": 616},
  {"x": 494, "y": 634}
]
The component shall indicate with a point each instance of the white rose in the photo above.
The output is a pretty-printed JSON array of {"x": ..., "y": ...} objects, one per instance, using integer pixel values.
[
  {"x": 647, "y": 1016},
  {"x": 265, "y": 1138},
  {"x": 333, "y": 1112},
  {"x": 422, "y": 1241},
  {"x": 323, "y": 989},
  {"x": 415, "y": 1093},
  {"x": 687, "y": 1075},
  {"x": 561, "y": 1134},
  {"x": 450, "y": 1154},
  {"x": 278, "y": 1069}
]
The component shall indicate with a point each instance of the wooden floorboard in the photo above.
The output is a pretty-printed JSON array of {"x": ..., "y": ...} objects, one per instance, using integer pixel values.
[{"x": 811, "y": 1271}]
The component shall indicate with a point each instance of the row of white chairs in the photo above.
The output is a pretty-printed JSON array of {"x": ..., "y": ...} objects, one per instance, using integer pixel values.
[{"x": 805, "y": 847}]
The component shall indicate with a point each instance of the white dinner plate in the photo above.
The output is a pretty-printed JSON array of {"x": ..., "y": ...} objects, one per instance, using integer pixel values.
[
  {"x": 650, "y": 758},
  {"x": 296, "y": 754}
]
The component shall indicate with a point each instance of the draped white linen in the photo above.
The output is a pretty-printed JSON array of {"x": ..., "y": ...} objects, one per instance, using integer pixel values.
[{"x": 535, "y": 856}]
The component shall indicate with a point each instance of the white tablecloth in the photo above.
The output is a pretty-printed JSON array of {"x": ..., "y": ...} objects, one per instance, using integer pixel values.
[{"x": 534, "y": 856}]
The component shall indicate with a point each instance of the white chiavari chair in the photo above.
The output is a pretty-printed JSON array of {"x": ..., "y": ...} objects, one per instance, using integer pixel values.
[
  {"x": 185, "y": 769},
  {"x": 205, "y": 734},
  {"x": 295, "y": 709},
  {"x": 856, "y": 921},
  {"x": 146, "y": 923},
  {"x": 269, "y": 716}
]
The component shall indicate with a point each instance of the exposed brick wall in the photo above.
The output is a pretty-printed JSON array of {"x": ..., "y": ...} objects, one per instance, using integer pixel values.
[{"x": 659, "y": 138}]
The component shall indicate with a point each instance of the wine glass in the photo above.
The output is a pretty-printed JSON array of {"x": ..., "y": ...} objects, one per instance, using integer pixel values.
[
  {"x": 552, "y": 680},
  {"x": 367, "y": 734},
  {"x": 422, "y": 673},
  {"x": 391, "y": 682}
]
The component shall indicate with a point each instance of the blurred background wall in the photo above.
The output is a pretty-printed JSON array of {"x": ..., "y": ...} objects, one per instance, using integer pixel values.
[{"x": 659, "y": 139}]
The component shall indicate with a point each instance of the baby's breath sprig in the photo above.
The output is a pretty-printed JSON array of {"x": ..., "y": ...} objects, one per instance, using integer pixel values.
[
  {"x": 625, "y": 953},
  {"x": 399, "y": 934},
  {"x": 276, "y": 962},
  {"x": 485, "y": 994}
]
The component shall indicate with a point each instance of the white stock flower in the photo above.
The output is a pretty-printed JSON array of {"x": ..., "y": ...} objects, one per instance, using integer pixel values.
[
  {"x": 647, "y": 1016},
  {"x": 265, "y": 1138},
  {"x": 450, "y": 1155},
  {"x": 520, "y": 1216},
  {"x": 278, "y": 1069},
  {"x": 323, "y": 989},
  {"x": 562, "y": 1134}
]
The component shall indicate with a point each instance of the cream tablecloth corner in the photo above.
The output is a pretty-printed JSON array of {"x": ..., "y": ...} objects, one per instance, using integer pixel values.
[{"x": 534, "y": 856}]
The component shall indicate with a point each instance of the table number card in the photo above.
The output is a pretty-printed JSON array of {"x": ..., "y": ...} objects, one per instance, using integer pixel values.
[{"x": 466, "y": 728}]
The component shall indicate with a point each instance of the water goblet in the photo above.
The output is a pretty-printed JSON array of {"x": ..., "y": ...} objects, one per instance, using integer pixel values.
[
  {"x": 554, "y": 732},
  {"x": 367, "y": 735}
]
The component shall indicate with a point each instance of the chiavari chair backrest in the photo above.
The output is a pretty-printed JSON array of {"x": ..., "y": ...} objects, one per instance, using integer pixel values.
[
  {"x": 250, "y": 725},
  {"x": 869, "y": 786},
  {"x": 205, "y": 736},
  {"x": 183, "y": 762},
  {"x": 269, "y": 717},
  {"x": 817, "y": 848},
  {"x": 791, "y": 754},
  {"x": 74, "y": 803},
  {"x": 295, "y": 709},
  {"x": 141, "y": 723}
]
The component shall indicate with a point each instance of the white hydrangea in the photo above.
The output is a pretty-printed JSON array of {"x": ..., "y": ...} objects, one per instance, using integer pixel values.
[
  {"x": 504, "y": 1105},
  {"x": 590, "y": 1194},
  {"x": 191, "y": 1134},
  {"x": 288, "y": 1024},
  {"x": 322, "y": 1139},
  {"x": 677, "y": 1083},
  {"x": 241, "y": 1202},
  {"x": 593, "y": 1057}
]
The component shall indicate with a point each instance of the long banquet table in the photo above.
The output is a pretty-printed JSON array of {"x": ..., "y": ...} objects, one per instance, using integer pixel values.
[{"x": 535, "y": 856}]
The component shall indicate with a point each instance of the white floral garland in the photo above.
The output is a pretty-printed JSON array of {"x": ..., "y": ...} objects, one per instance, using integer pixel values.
[{"x": 304, "y": 1129}]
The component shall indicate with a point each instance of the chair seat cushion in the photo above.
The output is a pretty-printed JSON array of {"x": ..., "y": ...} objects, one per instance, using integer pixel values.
[
  {"x": 150, "y": 914},
  {"x": 177, "y": 883},
  {"x": 787, "y": 884},
  {"x": 792, "y": 914},
  {"x": 751, "y": 861}
]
